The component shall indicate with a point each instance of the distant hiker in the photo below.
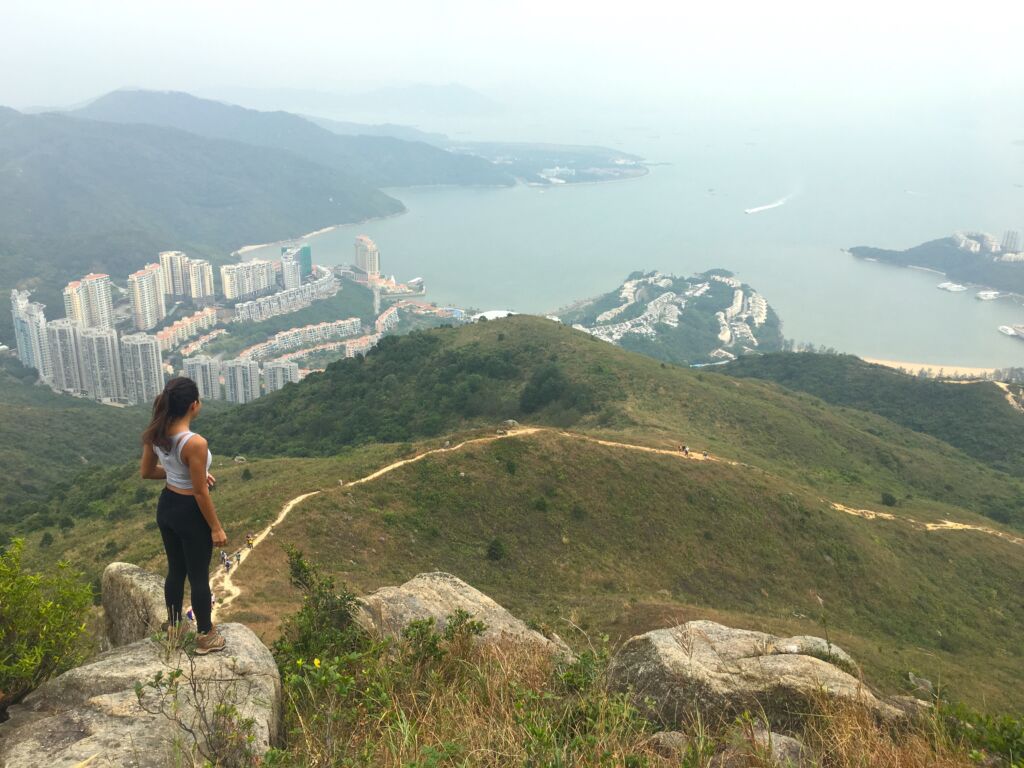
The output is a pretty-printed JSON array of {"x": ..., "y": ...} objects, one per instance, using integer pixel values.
[
  {"x": 705, "y": 454},
  {"x": 680, "y": 448},
  {"x": 686, "y": 450},
  {"x": 249, "y": 540},
  {"x": 238, "y": 557},
  {"x": 185, "y": 513}
]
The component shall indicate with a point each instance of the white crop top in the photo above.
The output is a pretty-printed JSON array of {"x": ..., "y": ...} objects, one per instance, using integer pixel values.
[{"x": 176, "y": 470}]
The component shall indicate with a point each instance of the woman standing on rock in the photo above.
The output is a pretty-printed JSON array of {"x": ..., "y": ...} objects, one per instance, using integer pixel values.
[{"x": 185, "y": 515}]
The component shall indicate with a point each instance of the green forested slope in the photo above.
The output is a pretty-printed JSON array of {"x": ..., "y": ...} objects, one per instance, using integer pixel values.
[
  {"x": 47, "y": 440},
  {"x": 974, "y": 417}
]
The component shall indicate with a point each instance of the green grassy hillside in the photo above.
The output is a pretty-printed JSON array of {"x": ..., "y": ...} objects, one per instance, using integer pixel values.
[
  {"x": 566, "y": 532},
  {"x": 46, "y": 440},
  {"x": 527, "y": 368},
  {"x": 610, "y": 538},
  {"x": 975, "y": 417}
]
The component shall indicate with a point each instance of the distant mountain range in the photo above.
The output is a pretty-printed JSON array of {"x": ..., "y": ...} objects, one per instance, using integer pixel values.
[
  {"x": 380, "y": 160},
  {"x": 405, "y": 103}
]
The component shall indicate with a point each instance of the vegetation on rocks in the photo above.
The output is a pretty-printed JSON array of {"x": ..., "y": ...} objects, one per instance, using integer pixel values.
[{"x": 42, "y": 619}]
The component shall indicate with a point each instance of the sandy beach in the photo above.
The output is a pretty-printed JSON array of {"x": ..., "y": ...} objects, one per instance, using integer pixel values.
[
  {"x": 931, "y": 369},
  {"x": 247, "y": 248}
]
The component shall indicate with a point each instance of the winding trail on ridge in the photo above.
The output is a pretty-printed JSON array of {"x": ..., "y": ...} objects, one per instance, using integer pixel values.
[{"x": 223, "y": 584}]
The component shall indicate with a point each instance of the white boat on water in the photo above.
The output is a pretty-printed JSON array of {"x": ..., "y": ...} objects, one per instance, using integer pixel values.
[
  {"x": 987, "y": 295},
  {"x": 952, "y": 287},
  {"x": 1007, "y": 330}
]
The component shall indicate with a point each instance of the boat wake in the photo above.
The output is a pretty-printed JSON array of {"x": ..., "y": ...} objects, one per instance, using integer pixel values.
[{"x": 777, "y": 204}]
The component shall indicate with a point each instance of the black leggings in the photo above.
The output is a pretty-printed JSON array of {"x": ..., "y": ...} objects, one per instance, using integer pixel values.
[{"x": 189, "y": 548}]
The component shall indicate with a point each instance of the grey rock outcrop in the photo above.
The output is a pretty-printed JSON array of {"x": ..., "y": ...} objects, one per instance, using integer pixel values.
[
  {"x": 91, "y": 716},
  {"x": 671, "y": 744},
  {"x": 133, "y": 603},
  {"x": 437, "y": 596},
  {"x": 721, "y": 672},
  {"x": 778, "y": 750}
]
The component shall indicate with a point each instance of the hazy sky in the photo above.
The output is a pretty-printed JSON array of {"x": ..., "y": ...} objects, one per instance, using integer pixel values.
[{"x": 56, "y": 52}]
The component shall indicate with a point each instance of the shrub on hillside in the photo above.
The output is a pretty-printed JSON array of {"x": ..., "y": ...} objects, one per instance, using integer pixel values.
[{"x": 41, "y": 624}]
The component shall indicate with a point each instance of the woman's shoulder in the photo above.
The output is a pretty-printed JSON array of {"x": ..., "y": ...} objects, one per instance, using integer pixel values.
[{"x": 195, "y": 443}]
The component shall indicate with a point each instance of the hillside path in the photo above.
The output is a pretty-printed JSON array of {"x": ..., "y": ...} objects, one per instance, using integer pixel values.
[{"x": 224, "y": 586}]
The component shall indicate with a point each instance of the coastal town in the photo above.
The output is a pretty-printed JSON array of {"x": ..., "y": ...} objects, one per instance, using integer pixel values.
[
  {"x": 655, "y": 307},
  {"x": 117, "y": 344}
]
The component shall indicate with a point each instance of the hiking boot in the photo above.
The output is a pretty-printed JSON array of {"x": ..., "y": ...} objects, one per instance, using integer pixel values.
[{"x": 208, "y": 642}]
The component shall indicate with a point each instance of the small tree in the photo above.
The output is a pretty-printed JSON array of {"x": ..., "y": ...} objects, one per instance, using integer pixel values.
[
  {"x": 888, "y": 499},
  {"x": 246, "y": 474},
  {"x": 41, "y": 624},
  {"x": 496, "y": 550}
]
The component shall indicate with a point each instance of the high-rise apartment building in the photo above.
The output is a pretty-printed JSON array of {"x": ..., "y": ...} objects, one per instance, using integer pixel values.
[
  {"x": 241, "y": 380},
  {"x": 302, "y": 254},
  {"x": 88, "y": 302},
  {"x": 62, "y": 336},
  {"x": 30, "y": 334},
  {"x": 247, "y": 279},
  {"x": 101, "y": 363},
  {"x": 175, "y": 271},
  {"x": 146, "y": 291},
  {"x": 291, "y": 272},
  {"x": 1011, "y": 241},
  {"x": 205, "y": 372},
  {"x": 143, "y": 367},
  {"x": 200, "y": 282},
  {"x": 277, "y": 373},
  {"x": 367, "y": 256}
]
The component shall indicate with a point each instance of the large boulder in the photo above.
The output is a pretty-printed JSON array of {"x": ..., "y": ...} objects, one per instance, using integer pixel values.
[
  {"x": 437, "y": 596},
  {"x": 91, "y": 715},
  {"x": 719, "y": 672},
  {"x": 133, "y": 603}
]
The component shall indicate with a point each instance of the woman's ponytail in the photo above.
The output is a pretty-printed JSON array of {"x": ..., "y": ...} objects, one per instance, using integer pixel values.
[{"x": 171, "y": 404}]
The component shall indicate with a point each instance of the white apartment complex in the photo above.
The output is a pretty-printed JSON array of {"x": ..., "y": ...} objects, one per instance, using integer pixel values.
[
  {"x": 200, "y": 281},
  {"x": 283, "y": 302},
  {"x": 30, "y": 334},
  {"x": 100, "y": 364},
  {"x": 367, "y": 256},
  {"x": 146, "y": 291},
  {"x": 247, "y": 279},
  {"x": 241, "y": 380},
  {"x": 88, "y": 302},
  {"x": 62, "y": 338},
  {"x": 205, "y": 372},
  {"x": 143, "y": 367},
  {"x": 302, "y": 337},
  {"x": 175, "y": 273},
  {"x": 277, "y": 373},
  {"x": 186, "y": 328},
  {"x": 291, "y": 272}
]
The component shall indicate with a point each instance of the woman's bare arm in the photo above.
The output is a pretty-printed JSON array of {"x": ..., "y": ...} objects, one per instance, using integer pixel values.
[
  {"x": 148, "y": 467},
  {"x": 194, "y": 456}
]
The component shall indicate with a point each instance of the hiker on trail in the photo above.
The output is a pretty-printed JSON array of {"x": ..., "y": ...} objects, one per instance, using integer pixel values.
[
  {"x": 686, "y": 450},
  {"x": 249, "y": 540},
  {"x": 238, "y": 557},
  {"x": 185, "y": 514},
  {"x": 705, "y": 453}
]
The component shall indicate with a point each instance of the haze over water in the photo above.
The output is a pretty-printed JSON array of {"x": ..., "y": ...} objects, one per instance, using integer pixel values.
[{"x": 537, "y": 249}]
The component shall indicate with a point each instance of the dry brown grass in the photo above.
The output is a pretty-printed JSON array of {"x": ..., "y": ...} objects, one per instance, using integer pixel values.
[{"x": 850, "y": 737}]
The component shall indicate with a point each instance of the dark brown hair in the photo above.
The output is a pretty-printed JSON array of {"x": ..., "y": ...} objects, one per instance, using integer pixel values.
[{"x": 171, "y": 404}]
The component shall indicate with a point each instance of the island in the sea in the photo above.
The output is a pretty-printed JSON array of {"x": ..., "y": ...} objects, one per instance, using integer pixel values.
[
  {"x": 970, "y": 258},
  {"x": 708, "y": 318}
]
